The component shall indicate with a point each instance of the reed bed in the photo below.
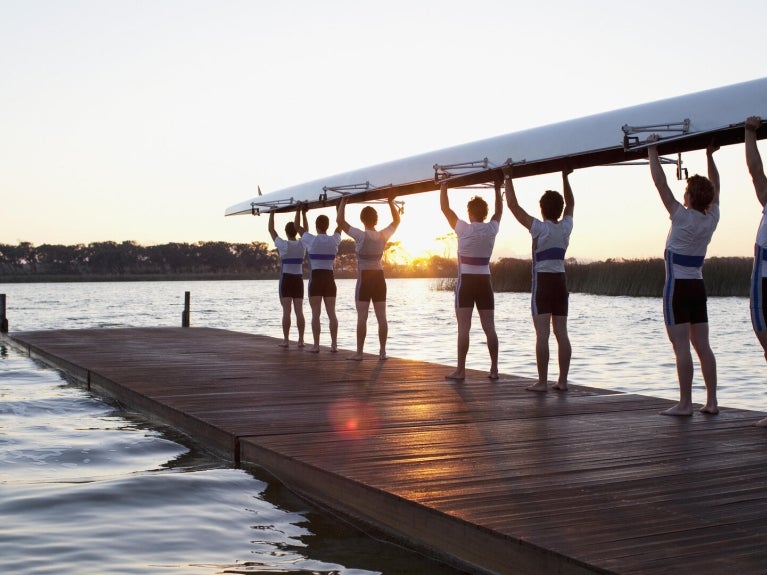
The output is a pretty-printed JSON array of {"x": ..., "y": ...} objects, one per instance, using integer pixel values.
[{"x": 724, "y": 277}]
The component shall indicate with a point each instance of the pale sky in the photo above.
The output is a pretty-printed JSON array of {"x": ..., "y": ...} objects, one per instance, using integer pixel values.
[{"x": 144, "y": 119}]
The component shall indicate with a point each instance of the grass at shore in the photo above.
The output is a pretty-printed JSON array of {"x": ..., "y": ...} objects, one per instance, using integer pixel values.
[{"x": 724, "y": 277}]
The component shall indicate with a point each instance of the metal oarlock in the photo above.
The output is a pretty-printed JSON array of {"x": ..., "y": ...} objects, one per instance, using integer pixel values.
[
  {"x": 350, "y": 189},
  {"x": 445, "y": 171},
  {"x": 630, "y": 141},
  {"x": 681, "y": 173},
  {"x": 255, "y": 207},
  {"x": 344, "y": 190}
]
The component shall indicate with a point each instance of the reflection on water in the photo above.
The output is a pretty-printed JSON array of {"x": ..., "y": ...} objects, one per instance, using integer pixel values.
[{"x": 88, "y": 488}]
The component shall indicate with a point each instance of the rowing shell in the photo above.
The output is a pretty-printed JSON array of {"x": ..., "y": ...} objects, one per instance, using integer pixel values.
[{"x": 684, "y": 123}]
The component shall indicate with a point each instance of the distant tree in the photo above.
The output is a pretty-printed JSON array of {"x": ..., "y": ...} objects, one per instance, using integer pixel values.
[
  {"x": 14, "y": 258},
  {"x": 346, "y": 259},
  {"x": 105, "y": 258},
  {"x": 257, "y": 257},
  {"x": 170, "y": 258},
  {"x": 59, "y": 259},
  {"x": 214, "y": 257}
]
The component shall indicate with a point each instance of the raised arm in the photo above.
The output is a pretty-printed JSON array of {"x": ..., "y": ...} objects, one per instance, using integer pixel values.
[
  {"x": 754, "y": 159},
  {"x": 395, "y": 217},
  {"x": 341, "y": 215},
  {"x": 498, "y": 202},
  {"x": 713, "y": 172},
  {"x": 338, "y": 226},
  {"x": 568, "y": 193},
  {"x": 511, "y": 200},
  {"x": 272, "y": 231},
  {"x": 301, "y": 211},
  {"x": 444, "y": 203},
  {"x": 659, "y": 176}
]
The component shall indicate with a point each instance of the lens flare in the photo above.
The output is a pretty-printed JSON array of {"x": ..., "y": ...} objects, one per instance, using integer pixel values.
[{"x": 353, "y": 418}]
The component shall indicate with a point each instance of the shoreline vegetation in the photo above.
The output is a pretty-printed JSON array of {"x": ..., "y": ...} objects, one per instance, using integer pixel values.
[
  {"x": 724, "y": 277},
  {"x": 128, "y": 261}
]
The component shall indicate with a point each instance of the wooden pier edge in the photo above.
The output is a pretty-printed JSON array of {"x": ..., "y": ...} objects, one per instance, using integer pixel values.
[
  {"x": 437, "y": 535},
  {"x": 219, "y": 442},
  {"x": 79, "y": 374}
]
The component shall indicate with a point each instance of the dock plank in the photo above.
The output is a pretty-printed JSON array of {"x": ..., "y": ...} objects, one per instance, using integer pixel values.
[{"x": 483, "y": 474}]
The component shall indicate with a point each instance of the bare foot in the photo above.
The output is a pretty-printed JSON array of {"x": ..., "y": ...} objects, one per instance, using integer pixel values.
[
  {"x": 284, "y": 344},
  {"x": 355, "y": 357},
  {"x": 710, "y": 409},
  {"x": 301, "y": 343},
  {"x": 539, "y": 387},
  {"x": 493, "y": 375},
  {"x": 382, "y": 356},
  {"x": 761, "y": 423},
  {"x": 314, "y": 349},
  {"x": 679, "y": 410},
  {"x": 560, "y": 386},
  {"x": 456, "y": 376},
  {"x": 334, "y": 348}
]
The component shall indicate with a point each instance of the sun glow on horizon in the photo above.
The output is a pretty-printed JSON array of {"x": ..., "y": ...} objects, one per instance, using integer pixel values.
[
  {"x": 423, "y": 231},
  {"x": 398, "y": 254}
]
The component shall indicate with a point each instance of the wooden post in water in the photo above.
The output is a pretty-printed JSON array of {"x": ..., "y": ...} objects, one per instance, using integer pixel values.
[
  {"x": 185, "y": 313},
  {"x": 3, "y": 318}
]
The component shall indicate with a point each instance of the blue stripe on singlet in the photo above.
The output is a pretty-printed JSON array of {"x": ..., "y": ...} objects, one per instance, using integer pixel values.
[
  {"x": 288, "y": 261},
  {"x": 474, "y": 261},
  {"x": 550, "y": 254},
  {"x": 687, "y": 261}
]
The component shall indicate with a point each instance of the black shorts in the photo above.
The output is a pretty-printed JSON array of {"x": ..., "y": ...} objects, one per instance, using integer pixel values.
[
  {"x": 550, "y": 294},
  {"x": 684, "y": 301},
  {"x": 292, "y": 286},
  {"x": 371, "y": 285},
  {"x": 322, "y": 283},
  {"x": 474, "y": 289}
]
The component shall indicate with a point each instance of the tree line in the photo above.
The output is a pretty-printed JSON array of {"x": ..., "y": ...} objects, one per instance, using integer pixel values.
[{"x": 129, "y": 260}]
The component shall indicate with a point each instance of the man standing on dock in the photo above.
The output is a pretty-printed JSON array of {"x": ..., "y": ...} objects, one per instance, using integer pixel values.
[
  {"x": 551, "y": 237},
  {"x": 322, "y": 250},
  {"x": 476, "y": 239},
  {"x": 759, "y": 274},
  {"x": 684, "y": 294},
  {"x": 371, "y": 284},
  {"x": 291, "y": 288}
]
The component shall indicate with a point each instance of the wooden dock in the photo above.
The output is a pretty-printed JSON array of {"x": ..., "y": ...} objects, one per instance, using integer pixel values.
[{"x": 485, "y": 475}]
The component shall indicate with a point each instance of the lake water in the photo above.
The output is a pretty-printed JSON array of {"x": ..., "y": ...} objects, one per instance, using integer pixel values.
[{"x": 88, "y": 488}]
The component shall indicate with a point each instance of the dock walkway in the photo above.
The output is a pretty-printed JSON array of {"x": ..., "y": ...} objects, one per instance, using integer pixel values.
[{"x": 484, "y": 474}]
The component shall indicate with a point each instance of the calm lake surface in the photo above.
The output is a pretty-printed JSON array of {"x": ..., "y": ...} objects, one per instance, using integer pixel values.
[{"x": 89, "y": 488}]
